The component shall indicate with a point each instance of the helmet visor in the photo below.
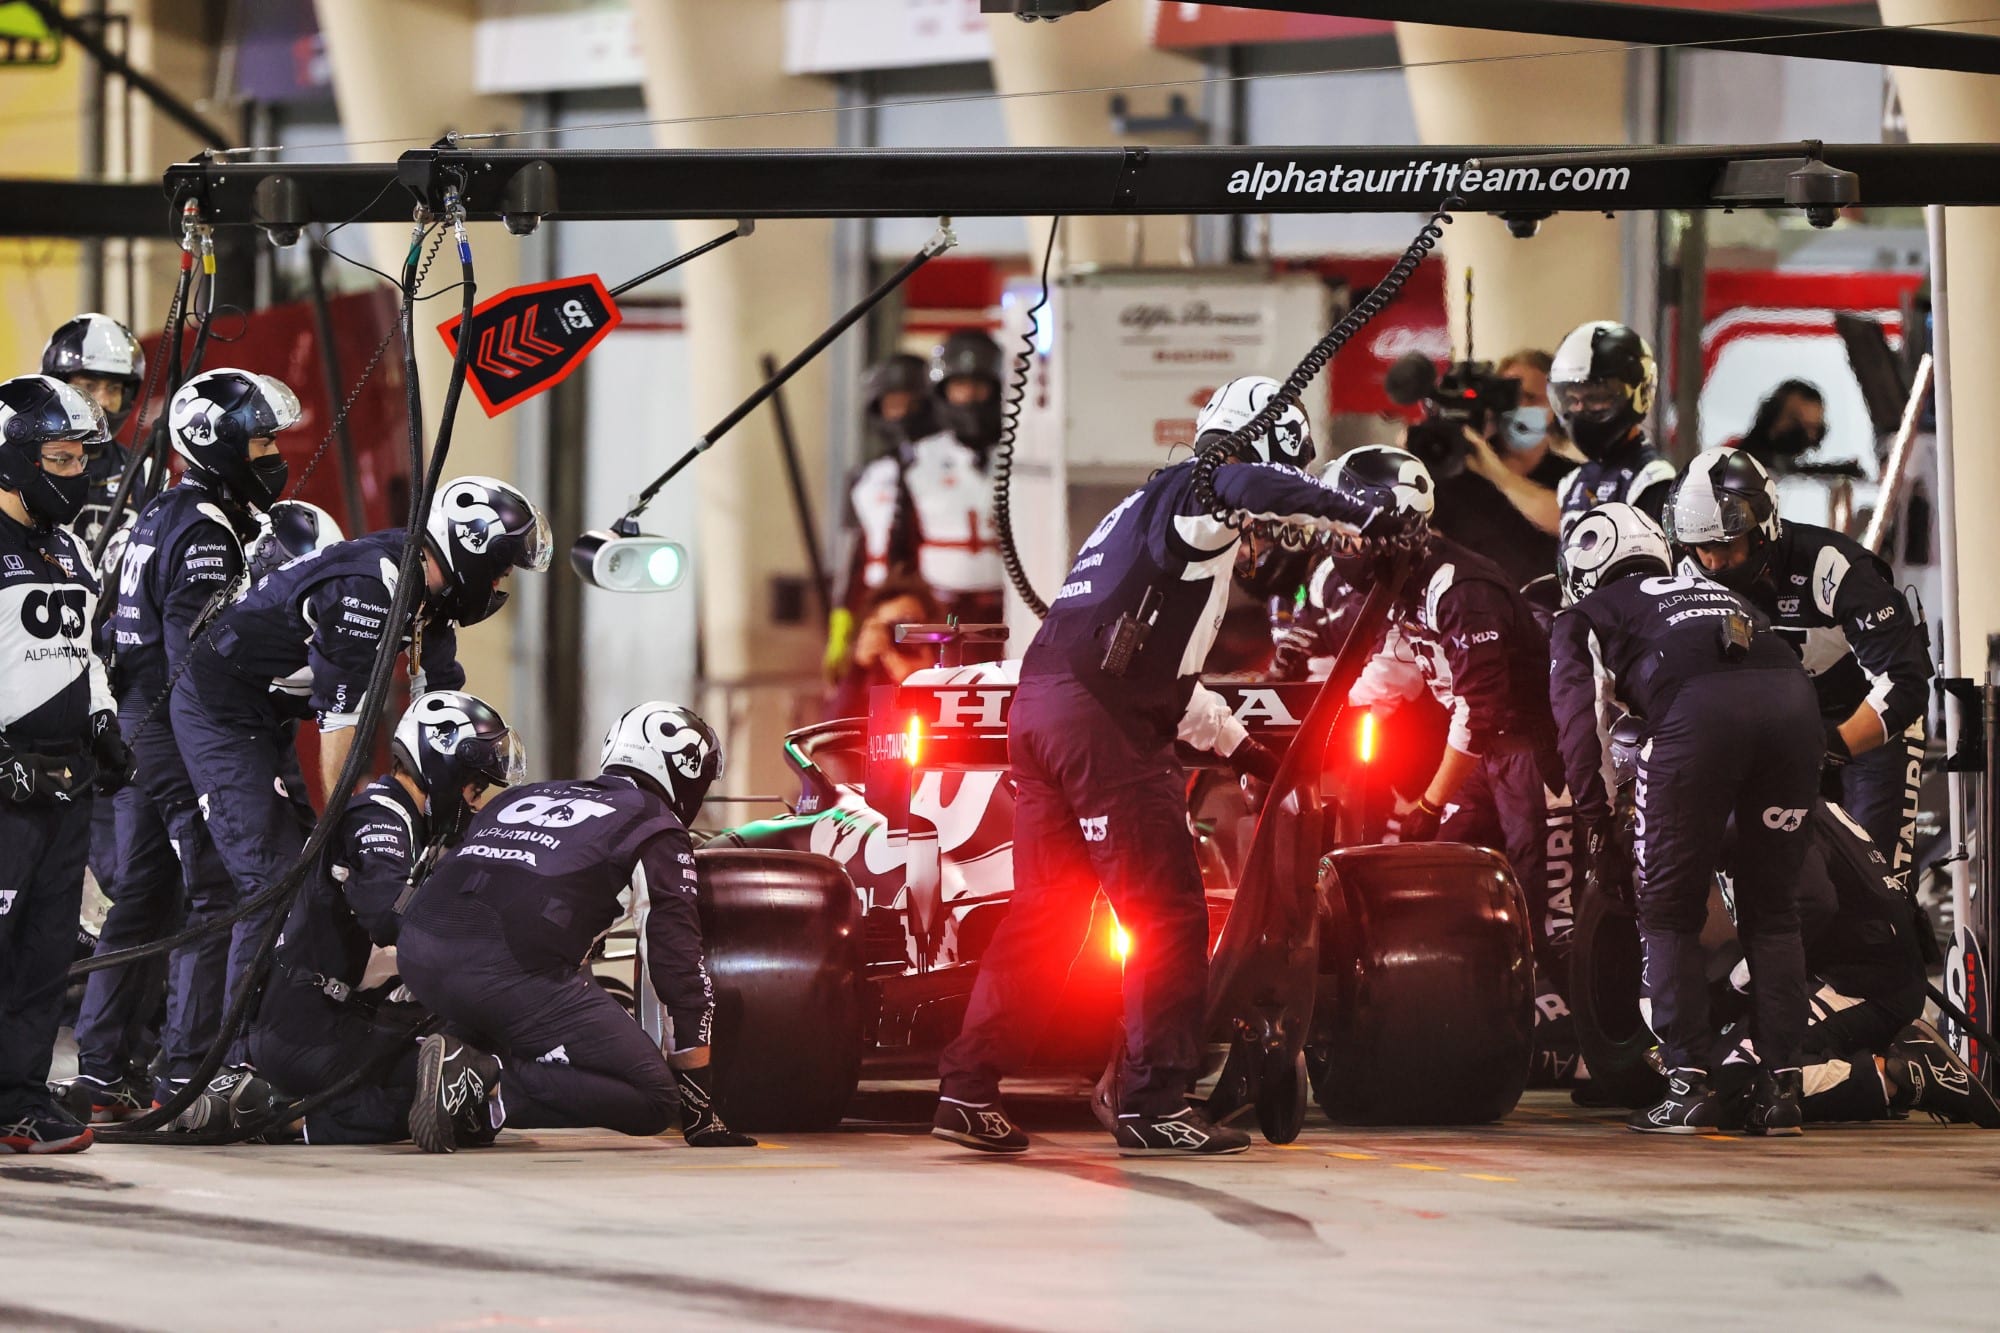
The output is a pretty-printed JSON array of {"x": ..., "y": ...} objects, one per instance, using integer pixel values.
[
  {"x": 1588, "y": 398},
  {"x": 536, "y": 546},
  {"x": 500, "y": 762},
  {"x": 1704, "y": 516}
]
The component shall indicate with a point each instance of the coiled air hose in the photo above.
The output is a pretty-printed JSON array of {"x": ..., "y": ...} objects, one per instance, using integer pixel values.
[
  {"x": 410, "y": 583},
  {"x": 1010, "y": 426}
]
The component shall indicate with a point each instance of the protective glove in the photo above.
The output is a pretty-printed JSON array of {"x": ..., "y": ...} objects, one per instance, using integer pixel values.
[
  {"x": 1419, "y": 823},
  {"x": 22, "y": 779},
  {"x": 1837, "y": 753},
  {"x": 1294, "y": 652},
  {"x": 1253, "y": 759},
  {"x": 839, "y": 643},
  {"x": 701, "y": 1124},
  {"x": 114, "y": 757}
]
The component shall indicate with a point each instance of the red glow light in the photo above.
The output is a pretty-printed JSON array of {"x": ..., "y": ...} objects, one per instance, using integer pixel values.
[
  {"x": 1365, "y": 742},
  {"x": 913, "y": 742}
]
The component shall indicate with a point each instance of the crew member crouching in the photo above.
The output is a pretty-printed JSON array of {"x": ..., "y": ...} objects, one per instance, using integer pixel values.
[
  {"x": 316, "y": 1025},
  {"x": 493, "y": 941}
]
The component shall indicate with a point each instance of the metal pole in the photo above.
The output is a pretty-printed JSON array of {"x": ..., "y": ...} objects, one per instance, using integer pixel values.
[
  {"x": 329, "y": 363},
  {"x": 1947, "y": 521},
  {"x": 788, "y": 446}
]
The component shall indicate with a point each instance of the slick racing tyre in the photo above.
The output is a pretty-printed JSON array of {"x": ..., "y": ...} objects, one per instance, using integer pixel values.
[
  {"x": 782, "y": 930},
  {"x": 1425, "y": 1012},
  {"x": 1605, "y": 986}
]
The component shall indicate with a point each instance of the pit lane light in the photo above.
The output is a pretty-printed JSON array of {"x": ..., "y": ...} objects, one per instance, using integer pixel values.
[{"x": 629, "y": 562}]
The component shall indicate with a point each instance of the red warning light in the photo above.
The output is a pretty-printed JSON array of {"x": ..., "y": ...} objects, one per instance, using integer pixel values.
[{"x": 1364, "y": 743}]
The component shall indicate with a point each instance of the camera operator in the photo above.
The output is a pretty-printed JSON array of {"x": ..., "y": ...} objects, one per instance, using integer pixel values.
[
  {"x": 1497, "y": 483},
  {"x": 1601, "y": 388},
  {"x": 1790, "y": 422},
  {"x": 877, "y": 659}
]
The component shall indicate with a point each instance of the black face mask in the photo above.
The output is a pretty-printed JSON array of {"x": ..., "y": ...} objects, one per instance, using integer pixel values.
[
  {"x": 976, "y": 425},
  {"x": 465, "y": 606},
  {"x": 271, "y": 473},
  {"x": 55, "y": 500},
  {"x": 918, "y": 422},
  {"x": 1792, "y": 441}
]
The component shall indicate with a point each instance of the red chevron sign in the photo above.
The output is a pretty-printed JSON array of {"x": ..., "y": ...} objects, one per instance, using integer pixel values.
[{"x": 528, "y": 339}]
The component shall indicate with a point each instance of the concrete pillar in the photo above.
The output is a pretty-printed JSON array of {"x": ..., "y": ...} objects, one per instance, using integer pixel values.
[
  {"x": 1965, "y": 108},
  {"x": 1107, "y": 46},
  {"x": 1528, "y": 293},
  {"x": 769, "y": 293},
  {"x": 402, "y": 70}
]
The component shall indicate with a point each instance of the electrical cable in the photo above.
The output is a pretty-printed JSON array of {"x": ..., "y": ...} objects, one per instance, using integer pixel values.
[
  {"x": 1010, "y": 426},
  {"x": 403, "y": 603},
  {"x": 1234, "y": 444}
]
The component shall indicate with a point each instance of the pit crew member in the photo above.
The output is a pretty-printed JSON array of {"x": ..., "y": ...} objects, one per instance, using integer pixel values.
[
  {"x": 102, "y": 360},
  {"x": 58, "y": 735},
  {"x": 1601, "y": 387},
  {"x": 1485, "y": 659},
  {"x": 899, "y": 411},
  {"x": 183, "y": 563},
  {"x": 1731, "y": 728},
  {"x": 1100, "y": 796},
  {"x": 303, "y": 642},
  {"x": 316, "y": 1024},
  {"x": 1838, "y": 606},
  {"x": 493, "y": 940}
]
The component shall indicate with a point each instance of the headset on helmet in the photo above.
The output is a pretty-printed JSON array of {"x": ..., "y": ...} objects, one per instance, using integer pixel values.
[
  {"x": 1392, "y": 480},
  {"x": 479, "y": 529},
  {"x": 449, "y": 740},
  {"x": 671, "y": 749},
  {"x": 36, "y": 410},
  {"x": 98, "y": 345},
  {"x": 290, "y": 529},
  {"x": 1601, "y": 385},
  {"x": 1606, "y": 544},
  {"x": 1725, "y": 494},
  {"x": 1288, "y": 441},
  {"x": 214, "y": 417}
]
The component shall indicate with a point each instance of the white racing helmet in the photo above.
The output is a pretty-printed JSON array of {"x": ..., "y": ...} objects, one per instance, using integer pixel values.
[
  {"x": 1288, "y": 441},
  {"x": 1607, "y": 543},
  {"x": 671, "y": 748}
]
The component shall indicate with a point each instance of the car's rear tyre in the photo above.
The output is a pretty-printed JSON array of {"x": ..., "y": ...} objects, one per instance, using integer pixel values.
[
  {"x": 1425, "y": 1010},
  {"x": 783, "y": 931}
]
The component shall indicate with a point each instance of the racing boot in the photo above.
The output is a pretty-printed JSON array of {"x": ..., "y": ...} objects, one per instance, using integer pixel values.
[
  {"x": 1689, "y": 1106},
  {"x": 701, "y": 1122},
  {"x": 453, "y": 1108},
  {"x": 980, "y": 1125},
  {"x": 1775, "y": 1105},
  {"x": 43, "y": 1128},
  {"x": 1927, "y": 1075},
  {"x": 1185, "y": 1133}
]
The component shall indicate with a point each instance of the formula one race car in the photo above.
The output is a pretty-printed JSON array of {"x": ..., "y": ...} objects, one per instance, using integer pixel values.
[{"x": 1394, "y": 981}]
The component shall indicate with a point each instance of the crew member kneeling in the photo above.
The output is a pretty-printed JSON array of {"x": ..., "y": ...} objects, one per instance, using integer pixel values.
[
  {"x": 1100, "y": 796},
  {"x": 316, "y": 1025},
  {"x": 1732, "y": 727},
  {"x": 494, "y": 939}
]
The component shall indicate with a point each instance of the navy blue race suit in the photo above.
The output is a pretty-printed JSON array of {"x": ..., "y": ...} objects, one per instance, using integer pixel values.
[
  {"x": 181, "y": 564},
  {"x": 314, "y": 1024},
  {"x": 1099, "y": 794},
  {"x": 51, "y": 687},
  {"x": 1724, "y": 736},
  {"x": 301, "y": 643},
  {"x": 495, "y": 939},
  {"x": 1631, "y": 473},
  {"x": 1838, "y": 605}
]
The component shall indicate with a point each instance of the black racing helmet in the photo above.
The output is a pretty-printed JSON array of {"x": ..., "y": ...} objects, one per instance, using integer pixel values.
[
  {"x": 1390, "y": 479},
  {"x": 98, "y": 345},
  {"x": 36, "y": 410},
  {"x": 969, "y": 354},
  {"x": 1725, "y": 494},
  {"x": 291, "y": 528},
  {"x": 1601, "y": 385},
  {"x": 1288, "y": 440},
  {"x": 481, "y": 528},
  {"x": 1607, "y": 543},
  {"x": 214, "y": 417},
  {"x": 671, "y": 749},
  {"x": 449, "y": 740},
  {"x": 901, "y": 373}
]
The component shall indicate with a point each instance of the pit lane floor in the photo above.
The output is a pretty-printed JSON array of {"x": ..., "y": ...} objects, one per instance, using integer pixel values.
[{"x": 1556, "y": 1218}]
